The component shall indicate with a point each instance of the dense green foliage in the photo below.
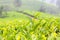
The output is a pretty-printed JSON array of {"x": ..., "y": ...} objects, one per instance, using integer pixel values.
[{"x": 18, "y": 26}]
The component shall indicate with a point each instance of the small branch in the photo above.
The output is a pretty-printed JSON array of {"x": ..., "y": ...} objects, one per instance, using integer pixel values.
[{"x": 27, "y": 14}]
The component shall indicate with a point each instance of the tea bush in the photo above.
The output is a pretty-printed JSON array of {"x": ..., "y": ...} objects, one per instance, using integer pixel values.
[{"x": 47, "y": 27}]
